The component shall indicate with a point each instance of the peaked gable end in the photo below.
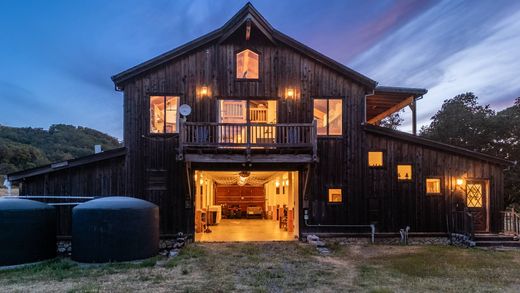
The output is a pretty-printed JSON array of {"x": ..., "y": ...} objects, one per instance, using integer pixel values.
[{"x": 248, "y": 15}]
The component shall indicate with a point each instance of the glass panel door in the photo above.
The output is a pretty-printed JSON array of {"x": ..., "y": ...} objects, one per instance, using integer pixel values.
[{"x": 235, "y": 114}]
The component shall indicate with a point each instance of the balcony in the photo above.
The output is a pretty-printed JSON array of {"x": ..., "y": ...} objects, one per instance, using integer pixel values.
[{"x": 248, "y": 142}]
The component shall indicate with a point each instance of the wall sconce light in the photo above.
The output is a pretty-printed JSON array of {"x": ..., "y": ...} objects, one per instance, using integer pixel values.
[
  {"x": 287, "y": 182},
  {"x": 290, "y": 93},
  {"x": 459, "y": 182},
  {"x": 204, "y": 90},
  {"x": 277, "y": 184},
  {"x": 201, "y": 181}
]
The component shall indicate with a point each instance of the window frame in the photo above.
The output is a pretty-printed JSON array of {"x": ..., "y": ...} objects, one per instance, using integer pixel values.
[
  {"x": 384, "y": 159},
  {"x": 426, "y": 186},
  {"x": 164, "y": 95},
  {"x": 397, "y": 173},
  {"x": 328, "y": 98},
  {"x": 235, "y": 63},
  {"x": 328, "y": 195}
]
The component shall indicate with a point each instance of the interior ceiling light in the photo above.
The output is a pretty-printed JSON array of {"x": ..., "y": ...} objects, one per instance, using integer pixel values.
[{"x": 244, "y": 174}]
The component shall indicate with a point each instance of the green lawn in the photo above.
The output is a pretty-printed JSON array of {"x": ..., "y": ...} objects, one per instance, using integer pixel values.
[{"x": 275, "y": 267}]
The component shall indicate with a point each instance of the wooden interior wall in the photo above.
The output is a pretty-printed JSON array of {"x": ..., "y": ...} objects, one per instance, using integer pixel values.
[
  {"x": 394, "y": 204},
  {"x": 244, "y": 196}
]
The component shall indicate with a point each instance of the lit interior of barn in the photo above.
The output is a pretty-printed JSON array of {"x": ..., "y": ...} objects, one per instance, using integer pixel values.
[{"x": 246, "y": 206}]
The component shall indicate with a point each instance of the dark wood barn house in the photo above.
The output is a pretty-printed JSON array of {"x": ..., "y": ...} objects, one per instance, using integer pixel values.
[{"x": 280, "y": 141}]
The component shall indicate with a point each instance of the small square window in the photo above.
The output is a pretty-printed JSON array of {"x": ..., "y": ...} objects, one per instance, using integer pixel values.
[
  {"x": 433, "y": 186},
  {"x": 404, "y": 172},
  {"x": 335, "y": 195},
  {"x": 375, "y": 159}
]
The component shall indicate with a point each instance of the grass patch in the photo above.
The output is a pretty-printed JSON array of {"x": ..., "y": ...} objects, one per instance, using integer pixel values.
[{"x": 282, "y": 267}]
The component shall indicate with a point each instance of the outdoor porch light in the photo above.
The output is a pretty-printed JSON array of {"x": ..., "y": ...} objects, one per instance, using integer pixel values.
[
  {"x": 204, "y": 90},
  {"x": 290, "y": 93},
  {"x": 459, "y": 181}
]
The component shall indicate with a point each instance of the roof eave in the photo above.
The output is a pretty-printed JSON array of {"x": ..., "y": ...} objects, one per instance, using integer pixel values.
[{"x": 404, "y": 90}]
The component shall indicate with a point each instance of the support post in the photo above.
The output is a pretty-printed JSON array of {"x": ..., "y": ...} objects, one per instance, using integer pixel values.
[{"x": 413, "y": 106}]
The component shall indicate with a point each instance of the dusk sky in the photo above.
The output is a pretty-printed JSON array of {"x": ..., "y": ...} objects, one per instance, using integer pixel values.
[{"x": 56, "y": 57}]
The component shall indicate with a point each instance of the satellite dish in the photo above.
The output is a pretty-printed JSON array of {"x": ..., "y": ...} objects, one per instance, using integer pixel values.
[{"x": 185, "y": 109}]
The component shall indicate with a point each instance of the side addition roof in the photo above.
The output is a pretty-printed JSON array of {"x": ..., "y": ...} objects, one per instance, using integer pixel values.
[
  {"x": 106, "y": 155},
  {"x": 434, "y": 144}
]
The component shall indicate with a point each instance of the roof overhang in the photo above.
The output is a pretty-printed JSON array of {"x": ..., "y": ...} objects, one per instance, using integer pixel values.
[{"x": 386, "y": 100}]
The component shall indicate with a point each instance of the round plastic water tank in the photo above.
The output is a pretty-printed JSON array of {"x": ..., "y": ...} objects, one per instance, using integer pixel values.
[
  {"x": 27, "y": 231},
  {"x": 114, "y": 228}
]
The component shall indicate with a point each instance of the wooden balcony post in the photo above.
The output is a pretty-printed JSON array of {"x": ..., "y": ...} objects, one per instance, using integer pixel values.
[
  {"x": 314, "y": 139},
  {"x": 180, "y": 154},
  {"x": 248, "y": 141}
]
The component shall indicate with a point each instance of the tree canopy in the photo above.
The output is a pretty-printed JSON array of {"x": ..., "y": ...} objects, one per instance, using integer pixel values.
[{"x": 23, "y": 148}]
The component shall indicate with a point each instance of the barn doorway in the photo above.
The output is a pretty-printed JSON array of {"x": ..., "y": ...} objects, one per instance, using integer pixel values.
[{"x": 246, "y": 206}]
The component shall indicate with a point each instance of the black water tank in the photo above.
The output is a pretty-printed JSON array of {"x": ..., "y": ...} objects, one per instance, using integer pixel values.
[
  {"x": 27, "y": 231},
  {"x": 114, "y": 228}
]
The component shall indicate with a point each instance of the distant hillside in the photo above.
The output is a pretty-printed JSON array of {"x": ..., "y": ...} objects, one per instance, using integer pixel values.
[{"x": 23, "y": 148}]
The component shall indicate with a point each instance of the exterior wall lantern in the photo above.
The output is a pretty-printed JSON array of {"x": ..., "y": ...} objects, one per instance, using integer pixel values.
[
  {"x": 290, "y": 93},
  {"x": 204, "y": 90}
]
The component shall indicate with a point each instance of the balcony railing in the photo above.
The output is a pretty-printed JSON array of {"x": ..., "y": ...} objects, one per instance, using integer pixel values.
[{"x": 248, "y": 135}]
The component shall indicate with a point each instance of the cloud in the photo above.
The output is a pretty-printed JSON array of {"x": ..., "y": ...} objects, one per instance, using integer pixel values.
[{"x": 452, "y": 48}]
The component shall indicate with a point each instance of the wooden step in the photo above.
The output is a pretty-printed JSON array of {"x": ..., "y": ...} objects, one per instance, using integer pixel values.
[
  {"x": 497, "y": 243},
  {"x": 496, "y": 240},
  {"x": 494, "y": 237}
]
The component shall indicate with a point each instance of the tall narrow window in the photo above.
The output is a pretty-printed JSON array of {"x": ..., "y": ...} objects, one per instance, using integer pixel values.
[
  {"x": 329, "y": 116},
  {"x": 163, "y": 114},
  {"x": 404, "y": 172},
  {"x": 247, "y": 65},
  {"x": 375, "y": 159}
]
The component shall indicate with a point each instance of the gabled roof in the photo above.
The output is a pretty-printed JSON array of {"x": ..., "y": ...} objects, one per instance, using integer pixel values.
[
  {"x": 247, "y": 13},
  {"x": 434, "y": 144},
  {"x": 57, "y": 166}
]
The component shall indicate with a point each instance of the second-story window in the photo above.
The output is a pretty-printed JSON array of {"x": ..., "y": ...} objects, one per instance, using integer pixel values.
[
  {"x": 163, "y": 114},
  {"x": 247, "y": 65},
  {"x": 329, "y": 116}
]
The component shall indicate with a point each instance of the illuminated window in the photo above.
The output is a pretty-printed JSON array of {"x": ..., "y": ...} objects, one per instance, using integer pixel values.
[
  {"x": 335, "y": 195},
  {"x": 433, "y": 186},
  {"x": 329, "y": 116},
  {"x": 163, "y": 114},
  {"x": 247, "y": 65},
  {"x": 375, "y": 159},
  {"x": 474, "y": 195},
  {"x": 404, "y": 172}
]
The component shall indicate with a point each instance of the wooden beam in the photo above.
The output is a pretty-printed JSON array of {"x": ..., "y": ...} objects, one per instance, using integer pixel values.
[
  {"x": 413, "y": 107},
  {"x": 391, "y": 110},
  {"x": 248, "y": 30},
  {"x": 255, "y": 158}
]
